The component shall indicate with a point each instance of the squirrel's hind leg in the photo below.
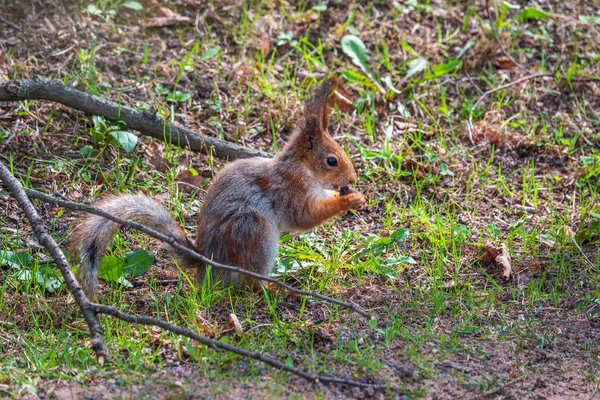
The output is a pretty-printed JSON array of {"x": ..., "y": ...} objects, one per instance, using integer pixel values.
[{"x": 247, "y": 240}]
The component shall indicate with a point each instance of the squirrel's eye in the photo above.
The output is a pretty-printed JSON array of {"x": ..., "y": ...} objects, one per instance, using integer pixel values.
[{"x": 332, "y": 161}]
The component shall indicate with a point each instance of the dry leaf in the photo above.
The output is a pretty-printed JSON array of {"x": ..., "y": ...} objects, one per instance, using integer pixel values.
[
  {"x": 340, "y": 97},
  {"x": 265, "y": 44},
  {"x": 233, "y": 325},
  {"x": 503, "y": 260},
  {"x": 500, "y": 257},
  {"x": 490, "y": 252},
  {"x": 202, "y": 323},
  {"x": 240, "y": 71},
  {"x": 186, "y": 177},
  {"x": 503, "y": 62},
  {"x": 3, "y": 67},
  {"x": 166, "y": 17},
  {"x": 486, "y": 132}
]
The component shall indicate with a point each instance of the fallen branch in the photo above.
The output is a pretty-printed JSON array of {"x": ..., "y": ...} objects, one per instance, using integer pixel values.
[
  {"x": 90, "y": 310},
  {"x": 46, "y": 240},
  {"x": 172, "y": 242},
  {"x": 145, "y": 122}
]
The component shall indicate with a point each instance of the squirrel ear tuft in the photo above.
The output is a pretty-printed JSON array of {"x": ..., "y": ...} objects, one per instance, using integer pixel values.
[
  {"x": 316, "y": 111},
  {"x": 317, "y": 108}
]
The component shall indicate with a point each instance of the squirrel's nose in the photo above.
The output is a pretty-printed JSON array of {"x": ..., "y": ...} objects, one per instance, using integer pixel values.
[{"x": 352, "y": 181}]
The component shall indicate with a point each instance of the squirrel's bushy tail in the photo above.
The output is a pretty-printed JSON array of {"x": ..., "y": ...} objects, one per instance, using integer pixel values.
[{"x": 91, "y": 237}]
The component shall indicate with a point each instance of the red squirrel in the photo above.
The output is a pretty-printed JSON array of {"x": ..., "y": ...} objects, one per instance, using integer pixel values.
[{"x": 250, "y": 203}]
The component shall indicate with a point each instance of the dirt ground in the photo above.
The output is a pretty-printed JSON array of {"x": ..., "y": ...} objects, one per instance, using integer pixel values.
[{"x": 526, "y": 342}]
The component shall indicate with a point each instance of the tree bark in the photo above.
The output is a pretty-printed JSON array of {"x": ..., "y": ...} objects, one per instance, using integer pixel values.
[{"x": 145, "y": 122}]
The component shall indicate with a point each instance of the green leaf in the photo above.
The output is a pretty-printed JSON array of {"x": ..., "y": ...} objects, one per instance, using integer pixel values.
[
  {"x": 388, "y": 272},
  {"x": 133, "y": 5},
  {"x": 589, "y": 19},
  {"x": 15, "y": 260},
  {"x": 111, "y": 269},
  {"x": 160, "y": 89},
  {"x": 355, "y": 77},
  {"x": 532, "y": 13},
  {"x": 25, "y": 275},
  {"x": 48, "y": 281},
  {"x": 137, "y": 263},
  {"x": 356, "y": 50},
  {"x": 210, "y": 53},
  {"x": 390, "y": 85},
  {"x": 415, "y": 66},
  {"x": 445, "y": 170},
  {"x": 373, "y": 322},
  {"x": 400, "y": 235},
  {"x": 126, "y": 140},
  {"x": 320, "y": 7},
  {"x": 443, "y": 69},
  {"x": 465, "y": 48},
  {"x": 178, "y": 97},
  {"x": 92, "y": 9},
  {"x": 87, "y": 151}
]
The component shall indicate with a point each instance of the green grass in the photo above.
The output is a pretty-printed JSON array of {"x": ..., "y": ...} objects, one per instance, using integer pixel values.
[{"x": 435, "y": 299}]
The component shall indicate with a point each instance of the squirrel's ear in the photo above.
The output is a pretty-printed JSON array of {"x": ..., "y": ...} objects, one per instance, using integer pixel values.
[
  {"x": 316, "y": 112},
  {"x": 327, "y": 96}
]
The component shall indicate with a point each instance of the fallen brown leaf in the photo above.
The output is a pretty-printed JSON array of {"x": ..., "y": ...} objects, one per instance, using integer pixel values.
[
  {"x": 166, "y": 17},
  {"x": 233, "y": 325},
  {"x": 340, "y": 97},
  {"x": 265, "y": 44},
  {"x": 202, "y": 323},
  {"x": 503, "y": 260},
  {"x": 490, "y": 252},
  {"x": 503, "y": 62},
  {"x": 186, "y": 177},
  {"x": 500, "y": 257}
]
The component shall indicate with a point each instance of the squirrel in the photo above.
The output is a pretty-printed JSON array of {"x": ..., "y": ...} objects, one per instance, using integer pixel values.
[{"x": 250, "y": 203}]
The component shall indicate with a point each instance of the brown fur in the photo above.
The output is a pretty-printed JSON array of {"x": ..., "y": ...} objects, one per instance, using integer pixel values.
[{"x": 248, "y": 206}]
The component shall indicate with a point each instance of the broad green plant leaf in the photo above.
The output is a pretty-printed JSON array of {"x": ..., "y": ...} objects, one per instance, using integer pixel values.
[
  {"x": 390, "y": 85},
  {"x": 126, "y": 140},
  {"x": 443, "y": 69},
  {"x": 356, "y": 50},
  {"x": 137, "y": 263},
  {"x": 111, "y": 269},
  {"x": 92, "y": 9},
  {"x": 210, "y": 53},
  {"x": 400, "y": 235},
  {"x": 532, "y": 13},
  {"x": 415, "y": 66},
  {"x": 15, "y": 260},
  {"x": 133, "y": 5}
]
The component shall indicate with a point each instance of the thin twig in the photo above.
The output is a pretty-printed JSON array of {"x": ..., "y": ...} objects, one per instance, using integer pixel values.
[
  {"x": 171, "y": 241},
  {"x": 7, "y": 22},
  {"x": 90, "y": 310},
  {"x": 590, "y": 263},
  {"x": 497, "y": 89},
  {"x": 217, "y": 345},
  {"x": 506, "y": 53}
]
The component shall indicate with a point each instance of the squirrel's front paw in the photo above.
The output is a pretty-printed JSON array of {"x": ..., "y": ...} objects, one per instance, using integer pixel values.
[{"x": 355, "y": 200}]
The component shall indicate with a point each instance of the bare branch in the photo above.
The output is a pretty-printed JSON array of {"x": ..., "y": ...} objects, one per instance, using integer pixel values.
[
  {"x": 494, "y": 90},
  {"x": 171, "y": 241},
  {"x": 46, "y": 240},
  {"x": 217, "y": 345},
  {"x": 145, "y": 122},
  {"x": 90, "y": 310}
]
